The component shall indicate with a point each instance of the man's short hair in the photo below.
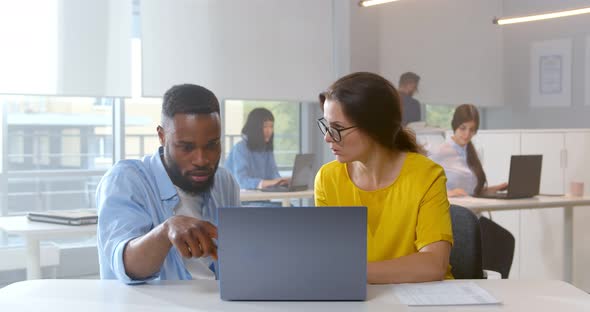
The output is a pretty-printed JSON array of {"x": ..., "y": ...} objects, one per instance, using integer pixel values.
[
  {"x": 188, "y": 99},
  {"x": 408, "y": 77}
]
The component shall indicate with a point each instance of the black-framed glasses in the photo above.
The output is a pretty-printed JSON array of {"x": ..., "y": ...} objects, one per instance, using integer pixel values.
[{"x": 336, "y": 134}]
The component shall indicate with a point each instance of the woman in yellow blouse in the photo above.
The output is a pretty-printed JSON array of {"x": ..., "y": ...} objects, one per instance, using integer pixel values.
[{"x": 380, "y": 166}]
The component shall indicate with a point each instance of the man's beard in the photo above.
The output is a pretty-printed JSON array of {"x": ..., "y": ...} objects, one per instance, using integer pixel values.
[{"x": 182, "y": 181}]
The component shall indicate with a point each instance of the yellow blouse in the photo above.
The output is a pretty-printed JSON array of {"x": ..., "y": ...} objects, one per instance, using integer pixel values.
[{"x": 403, "y": 217}]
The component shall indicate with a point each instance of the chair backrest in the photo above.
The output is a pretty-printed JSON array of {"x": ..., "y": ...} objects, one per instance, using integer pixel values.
[
  {"x": 497, "y": 247},
  {"x": 466, "y": 256}
]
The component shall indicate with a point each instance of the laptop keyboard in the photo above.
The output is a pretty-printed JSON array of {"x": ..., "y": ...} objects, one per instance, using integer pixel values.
[{"x": 276, "y": 188}]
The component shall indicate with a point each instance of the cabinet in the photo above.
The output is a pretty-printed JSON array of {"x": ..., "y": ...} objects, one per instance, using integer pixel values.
[
  {"x": 494, "y": 149},
  {"x": 542, "y": 230},
  {"x": 539, "y": 233},
  {"x": 430, "y": 139},
  {"x": 577, "y": 168}
]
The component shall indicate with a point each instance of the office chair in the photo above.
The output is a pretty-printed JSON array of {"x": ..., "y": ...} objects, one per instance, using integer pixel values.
[
  {"x": 497, "y": 247},
  {"x": 466, "y": 254}
]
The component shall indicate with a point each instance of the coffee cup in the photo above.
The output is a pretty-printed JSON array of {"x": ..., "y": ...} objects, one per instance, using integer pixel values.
[{"x": 577, "y": 188}]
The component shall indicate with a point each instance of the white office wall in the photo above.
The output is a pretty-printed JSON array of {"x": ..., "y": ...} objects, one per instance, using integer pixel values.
[
  {"x": 118, "y": 49},
  {"x": 28, "y": 47},
  {"x": 65, "y": 47},
  {"x": 577, "y": 145},
  {"x": 259, "y": 49},
  {"x": 176, "y": 44},
  {"x": 364, "y": 38},
  {"x": 518, "y": 39},
  {"x": 94, "y": 48},
  {"x": 451, "y": 44}
]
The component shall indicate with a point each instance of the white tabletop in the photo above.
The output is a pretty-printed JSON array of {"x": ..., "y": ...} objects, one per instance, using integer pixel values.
[
  {"x": 22, "y": 226},
  {"x": 247, "y": 195},
  {"x": 171, "y": 296},
  {"x": 488, "y": 204}
]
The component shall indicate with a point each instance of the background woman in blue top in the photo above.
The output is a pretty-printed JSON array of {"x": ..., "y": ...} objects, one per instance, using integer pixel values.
[
  {"x": 465, "y": 175},
  {"x": 251, "y": 160}
]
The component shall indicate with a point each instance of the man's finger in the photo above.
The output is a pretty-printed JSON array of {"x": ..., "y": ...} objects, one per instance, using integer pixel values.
[
  {"x": 195, "y": 250},
  {"x": 205, "y": 243},
  {"x": 210, "y": 229}
]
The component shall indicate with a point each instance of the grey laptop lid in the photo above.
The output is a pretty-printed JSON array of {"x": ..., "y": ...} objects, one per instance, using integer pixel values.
[
  {"x": 525, "y": 176},
  {"x": 524, "y": 180},
  {"x": 301, "y": 177},
  {"x": 299, "y": 253}
]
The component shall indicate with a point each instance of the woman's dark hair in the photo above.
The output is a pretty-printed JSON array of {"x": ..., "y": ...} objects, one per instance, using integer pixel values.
[
  {"x": 253, "y": 129},
  {"x": 466, "y": 113},
  {"x": 373, "y": 105}
]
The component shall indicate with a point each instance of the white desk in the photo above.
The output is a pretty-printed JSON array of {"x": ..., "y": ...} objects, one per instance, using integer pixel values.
[
  {"x": 173, "y": 296},
  {"x": 249, "y": 195},
  {"x": 478, "y": 205},
  {"x": 34, "y": 232}
]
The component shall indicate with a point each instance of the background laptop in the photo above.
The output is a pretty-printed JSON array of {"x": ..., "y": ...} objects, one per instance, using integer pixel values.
[
  {"x": 299, "y": 253},
  {"x": 300, "y": 178},
  {"x": 68, "y": 217},
  {"x": 525, "y": 178}
]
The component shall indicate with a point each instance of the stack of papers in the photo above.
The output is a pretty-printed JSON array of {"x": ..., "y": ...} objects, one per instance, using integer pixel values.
[{"x": 443, "y": 293}]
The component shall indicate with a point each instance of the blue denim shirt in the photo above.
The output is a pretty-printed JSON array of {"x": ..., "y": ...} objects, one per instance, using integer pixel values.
[
  {"x": 249, "y": 167},
  {"x": 135, "y": 196}
]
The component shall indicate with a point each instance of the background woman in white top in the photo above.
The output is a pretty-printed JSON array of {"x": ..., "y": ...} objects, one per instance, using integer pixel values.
[{"x": 465, "y": 175}]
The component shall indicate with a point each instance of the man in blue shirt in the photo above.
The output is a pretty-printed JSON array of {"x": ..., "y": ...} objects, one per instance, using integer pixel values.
[
  {"x": 157, "y": 216},
  {"x": 408, "y": 85}
]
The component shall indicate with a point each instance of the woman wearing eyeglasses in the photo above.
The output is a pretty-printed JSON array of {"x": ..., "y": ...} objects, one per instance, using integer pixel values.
[{"x": 379, "y": 165}]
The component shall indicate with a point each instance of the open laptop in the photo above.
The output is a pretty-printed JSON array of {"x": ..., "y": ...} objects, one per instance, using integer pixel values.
[
  {"x": 524, "y": 180},
  {"x": 298, "y": 253},
  {"x": 300, "y": 178}
]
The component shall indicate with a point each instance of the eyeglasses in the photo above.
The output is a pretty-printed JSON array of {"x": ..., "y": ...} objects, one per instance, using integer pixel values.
[{"x": 336, "y": 134}]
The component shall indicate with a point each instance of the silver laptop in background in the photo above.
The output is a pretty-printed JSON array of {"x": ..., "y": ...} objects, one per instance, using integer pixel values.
[
  {"x": 299, "y": 253},
  {"x": 301, "y": 176},
  {"x": 524, "y": 180}
]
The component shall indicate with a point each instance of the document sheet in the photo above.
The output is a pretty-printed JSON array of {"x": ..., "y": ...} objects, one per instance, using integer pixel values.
[{"x": 443, "y": 293}]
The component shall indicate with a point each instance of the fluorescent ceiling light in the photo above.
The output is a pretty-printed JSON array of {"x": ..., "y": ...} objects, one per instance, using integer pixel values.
[
  {"x": 530, "y": 18},
  {"x": 366, "y": 3}
]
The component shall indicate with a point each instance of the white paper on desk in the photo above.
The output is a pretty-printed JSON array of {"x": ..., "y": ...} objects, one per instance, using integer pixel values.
[{"x": 443, "y": 293}]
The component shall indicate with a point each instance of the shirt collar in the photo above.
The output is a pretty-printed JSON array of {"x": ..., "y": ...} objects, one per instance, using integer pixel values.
[
  {"x": 165, "y": 185},
  {"x": 462, "y": 150}
]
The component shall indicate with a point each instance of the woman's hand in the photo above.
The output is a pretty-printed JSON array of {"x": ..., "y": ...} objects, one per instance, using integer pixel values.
[
  {"x": 495, "y": 188},
  {"x": 458, "y": 192},
  {"x": 277, "y": 181}
]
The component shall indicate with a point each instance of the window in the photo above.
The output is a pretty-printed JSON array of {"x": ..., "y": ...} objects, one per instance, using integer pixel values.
[
  {"x": 57, "y": 149},
  {"x": 439, "y": 116},
  {"x": 287, "y": 128},
  {"x": 142, "y": 116}
]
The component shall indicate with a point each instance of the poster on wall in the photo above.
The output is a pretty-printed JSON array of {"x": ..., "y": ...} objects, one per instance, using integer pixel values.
[
  {"x": 587, "y": 76},
  {"x": 551, "y": 73}
]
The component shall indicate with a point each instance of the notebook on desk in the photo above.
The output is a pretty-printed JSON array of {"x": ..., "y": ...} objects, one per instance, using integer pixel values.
[
  {"x": 300, "y": 177},
  {"x": 524, "y": 180},
  {"x": 292, "y": 253},
  {"x": 68, "y": 217}
]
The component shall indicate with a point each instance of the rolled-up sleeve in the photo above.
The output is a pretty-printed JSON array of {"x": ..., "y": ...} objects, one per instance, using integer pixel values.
[{"x": 123, "y": 216}]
